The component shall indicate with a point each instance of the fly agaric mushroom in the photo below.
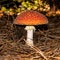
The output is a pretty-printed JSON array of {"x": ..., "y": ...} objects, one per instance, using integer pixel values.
[{"x": 30, "y": 18}]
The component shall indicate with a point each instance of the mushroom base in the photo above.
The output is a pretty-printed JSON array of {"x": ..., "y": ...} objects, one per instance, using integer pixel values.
[{"x": 30, "y": 30}]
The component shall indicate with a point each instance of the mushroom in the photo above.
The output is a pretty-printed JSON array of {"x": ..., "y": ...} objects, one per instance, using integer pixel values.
[{"x": 30, "y": 18}]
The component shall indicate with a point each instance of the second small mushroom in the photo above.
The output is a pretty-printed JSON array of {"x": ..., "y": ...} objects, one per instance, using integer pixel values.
[{"x": 30, "y": 18}]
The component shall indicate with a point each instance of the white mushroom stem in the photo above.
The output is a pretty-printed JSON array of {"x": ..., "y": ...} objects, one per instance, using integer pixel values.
[{"x": 30, "y": 30}]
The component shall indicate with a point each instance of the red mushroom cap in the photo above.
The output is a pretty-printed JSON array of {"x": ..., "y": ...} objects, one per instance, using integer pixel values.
[{"x": 30, "y": 17}]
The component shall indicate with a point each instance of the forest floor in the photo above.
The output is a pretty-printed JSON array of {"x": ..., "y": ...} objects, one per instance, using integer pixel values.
[{"x": 14, "y": 47}]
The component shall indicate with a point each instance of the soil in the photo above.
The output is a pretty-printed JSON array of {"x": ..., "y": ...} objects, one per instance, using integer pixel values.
[{"x": 13, "y": 40}]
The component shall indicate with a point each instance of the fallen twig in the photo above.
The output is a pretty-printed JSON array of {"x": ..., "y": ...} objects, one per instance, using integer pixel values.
[{"x": 38, "y": 51}]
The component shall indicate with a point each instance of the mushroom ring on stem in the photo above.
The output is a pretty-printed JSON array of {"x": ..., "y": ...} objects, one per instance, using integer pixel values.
[{"x": 30, "y": 18}]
